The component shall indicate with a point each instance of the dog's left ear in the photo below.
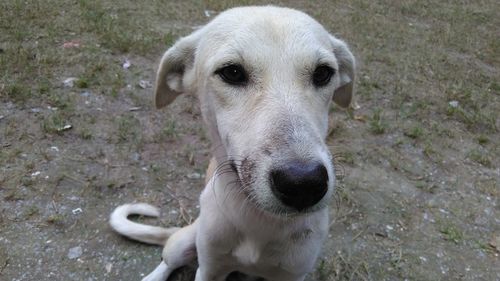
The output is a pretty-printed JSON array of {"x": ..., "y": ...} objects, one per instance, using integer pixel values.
[
  {"x": 343, "y": 94},
  {"x": 174, "y": 65}
]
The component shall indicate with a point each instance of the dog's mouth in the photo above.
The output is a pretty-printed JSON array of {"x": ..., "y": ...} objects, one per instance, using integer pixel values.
[
  {"x": 233, "y": 167},
  {"x": 244, "y": 171}
]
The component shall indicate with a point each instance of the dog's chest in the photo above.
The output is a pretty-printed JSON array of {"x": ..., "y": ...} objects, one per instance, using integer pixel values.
[
  {"x": 252, "y": 252},
  {"x": 247, "y": 252}
]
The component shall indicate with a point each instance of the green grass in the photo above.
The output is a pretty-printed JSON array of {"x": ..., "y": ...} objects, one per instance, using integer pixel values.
[
  {"x": 31, "y": 211},
  {"x": 127, "y": 129},
  {"x": 483, "y": 139},
  {"x": 170, "y": 130},
  {"x": 415, "y": 57},
  {"x": 480, "y": 156},
  {"x": 56, "y": 219},
  {"x": 54, "y": 123},
  {"x": 415, "y": 132},
  {"x": 16, "y": 92},
  {"x": 377, "y": 124},
  {"x": 85, "y": 133},
  {"x": 118, "y": 31},
  {"x": 452, "y": 233}
]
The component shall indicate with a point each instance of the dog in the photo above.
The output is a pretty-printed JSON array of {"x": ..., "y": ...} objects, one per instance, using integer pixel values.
[{"x": 265, "y": 77}]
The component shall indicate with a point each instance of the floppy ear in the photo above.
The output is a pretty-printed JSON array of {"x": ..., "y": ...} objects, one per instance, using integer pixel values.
[
  {"x": 343, "y": 94},
  {"x": 173, "y": 66}
]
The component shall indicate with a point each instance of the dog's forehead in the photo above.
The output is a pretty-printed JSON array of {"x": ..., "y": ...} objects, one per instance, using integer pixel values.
[{"x": 264, "y": 32}]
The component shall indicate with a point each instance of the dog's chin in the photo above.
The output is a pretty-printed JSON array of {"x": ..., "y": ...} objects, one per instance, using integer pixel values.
[
  {"x": 275, "y": 208},
  {"x": 284, "y": 211}
]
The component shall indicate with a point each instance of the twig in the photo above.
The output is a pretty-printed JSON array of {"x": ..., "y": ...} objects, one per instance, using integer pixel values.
[{"x": 4, "y": 265}]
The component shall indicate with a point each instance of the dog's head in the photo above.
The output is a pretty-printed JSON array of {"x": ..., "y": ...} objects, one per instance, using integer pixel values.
[{"x": 265, "y": 77}]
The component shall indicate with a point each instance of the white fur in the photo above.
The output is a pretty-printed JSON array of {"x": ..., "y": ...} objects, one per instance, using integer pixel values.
[{"x": 277, "y": 117}]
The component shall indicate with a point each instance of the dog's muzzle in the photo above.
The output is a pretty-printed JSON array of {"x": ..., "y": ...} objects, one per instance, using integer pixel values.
[{"x": 300, "y": 184}]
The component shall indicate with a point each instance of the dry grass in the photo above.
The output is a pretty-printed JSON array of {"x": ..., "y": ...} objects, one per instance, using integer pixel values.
[{"x": 420, "y": 157}]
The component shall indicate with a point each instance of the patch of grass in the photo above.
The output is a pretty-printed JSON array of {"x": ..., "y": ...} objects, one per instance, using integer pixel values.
[
  {"x": 495, "y": 86},
  {"x": 44, "y": 86},
  {"x": 170, "y": 131},
  {"x": 16, "y": 92},
  {"x": 483, "y": 140},
  {"x": 54, "y": 123},
  {"x": 127, "y": 128},
  {"x": 415, "y": 132},
  {"x": 27, "y": 181},
  {"x": 103, "y": 74},
  {"x": 30, "y": 211},
  {"x": 29, "y": 55},
  {"x": 219, "y": 5},
  {"x": 85, "y": 133},
  {"x": 14, "y": 195},
  {"x": 82, "y": 83},
  {"x": 341, "y": 267},
  {"x": 486, "y": 247},
  {"x": 367, "y": 87},
  {"x": 451, "y": 233},
  {"x": 55, "y": 219},
  {"x": 414, "y": 109},
  {"x": 480, "y": 157},
  {"x": 473, "y": 107},
  {"x": 427, "y": 186},
  {"x": 377, "y": 125},
  {"x": 476, "y": 121},
  {"x": 118, "y": 30},
  {"x": 428, "y": 149},
  {"x": 60, "y": 101},
  {"x": 323, "y": 271},
  {"x": 491, "y": 187}
]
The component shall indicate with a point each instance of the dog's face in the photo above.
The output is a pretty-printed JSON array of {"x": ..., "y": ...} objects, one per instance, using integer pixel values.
[{"x": 265, "y": 77}]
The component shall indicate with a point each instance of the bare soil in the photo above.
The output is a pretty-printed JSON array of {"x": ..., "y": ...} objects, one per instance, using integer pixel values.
[{"x": 418, "y": 155}]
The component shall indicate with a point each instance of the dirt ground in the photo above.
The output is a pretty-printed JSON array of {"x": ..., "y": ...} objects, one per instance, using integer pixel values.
[{"x": 418, "y": 155}]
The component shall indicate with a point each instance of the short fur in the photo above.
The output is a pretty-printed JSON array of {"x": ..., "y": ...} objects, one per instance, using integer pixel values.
[{"x": 277, "y": 117}]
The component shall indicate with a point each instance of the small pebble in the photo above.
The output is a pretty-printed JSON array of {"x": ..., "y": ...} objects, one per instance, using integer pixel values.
[
  {"x": 145, "y": 84},
  {"x": 453, "y": 103},
  {"x": 135, "y": 156},
  {"x": 126, "y": 64},
  {"x": 75, "y": 253},
  {"x": 69, "y": 82},
  {"x": 194, "y": 176}
]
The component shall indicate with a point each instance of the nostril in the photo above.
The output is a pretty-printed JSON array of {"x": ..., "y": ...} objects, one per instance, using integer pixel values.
[{"x": 300, "y": 184}]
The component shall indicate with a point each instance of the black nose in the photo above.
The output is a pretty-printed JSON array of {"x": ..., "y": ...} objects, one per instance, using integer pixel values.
[{"x": 300, "y": 185}]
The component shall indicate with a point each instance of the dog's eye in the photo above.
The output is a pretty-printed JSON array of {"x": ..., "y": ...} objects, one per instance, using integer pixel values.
[
  {"x": 322, "y": 75},
  {"x": 233, "y": 74}
]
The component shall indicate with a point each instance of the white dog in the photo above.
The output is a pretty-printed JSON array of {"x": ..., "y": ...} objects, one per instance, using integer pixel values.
[{"x": 265, "y": 78}]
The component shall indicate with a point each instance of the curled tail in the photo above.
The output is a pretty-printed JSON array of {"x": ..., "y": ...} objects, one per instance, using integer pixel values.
[{"x": 136, "y": 231}]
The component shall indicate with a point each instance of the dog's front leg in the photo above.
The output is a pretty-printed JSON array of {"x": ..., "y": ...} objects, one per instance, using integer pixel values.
[{"x": 161, "y": 273}]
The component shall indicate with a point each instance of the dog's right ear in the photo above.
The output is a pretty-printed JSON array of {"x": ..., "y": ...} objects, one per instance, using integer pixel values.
[
  {"x": 347, "y": 64},
  {"x": 173, "y": 66}
]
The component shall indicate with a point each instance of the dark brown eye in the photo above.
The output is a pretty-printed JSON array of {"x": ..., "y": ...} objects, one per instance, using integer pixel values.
[
  {"x": 233, "y": 74},
  {"x": 322, "y": 75}
]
